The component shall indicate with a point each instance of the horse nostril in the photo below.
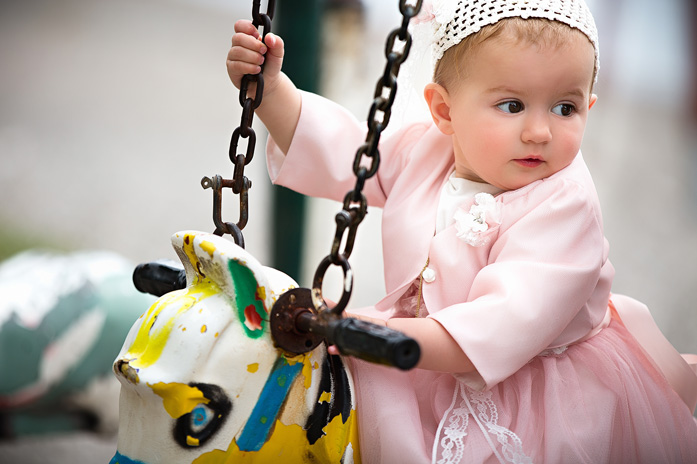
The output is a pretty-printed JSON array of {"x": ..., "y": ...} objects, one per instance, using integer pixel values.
[{"x": 124, "y": 369}]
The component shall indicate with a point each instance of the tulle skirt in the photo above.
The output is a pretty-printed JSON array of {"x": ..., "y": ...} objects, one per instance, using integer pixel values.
[{"x": 599, "y": 401}]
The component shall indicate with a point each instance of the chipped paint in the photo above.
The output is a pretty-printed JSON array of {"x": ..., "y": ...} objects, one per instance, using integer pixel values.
[
  {"x": 268, "y": 406},
  {"x": 308, "y": 367},
  {"x": 208, "y": 247},
  {"x": 329, "y": 448},
  {"x": 188, "y": 249},
  {"x": 252, "y": 320}
]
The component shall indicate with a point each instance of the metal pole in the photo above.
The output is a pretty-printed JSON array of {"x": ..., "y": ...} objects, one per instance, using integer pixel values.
[{"x": 298, "y": 23}]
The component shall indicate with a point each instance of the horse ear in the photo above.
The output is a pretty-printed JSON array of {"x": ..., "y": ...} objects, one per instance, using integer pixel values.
[
  {"x": 252, "y": 287},
  {"x": 181, "y": 241}
]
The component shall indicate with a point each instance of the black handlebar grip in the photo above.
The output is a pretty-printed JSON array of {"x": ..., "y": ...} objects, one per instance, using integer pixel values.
[
  {"x": 374, "y": 343},
  {"x": 159, "y": 277}
]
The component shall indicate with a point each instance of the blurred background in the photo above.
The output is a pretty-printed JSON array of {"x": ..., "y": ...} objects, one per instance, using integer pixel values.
[{"x": 112, "y": 112}]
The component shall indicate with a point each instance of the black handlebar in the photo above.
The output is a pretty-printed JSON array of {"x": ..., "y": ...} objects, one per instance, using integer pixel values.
[
  {"x": 159, "y": 277},
  {"x": 374, "y": 343},
  {"x": 297, "y": 327}
]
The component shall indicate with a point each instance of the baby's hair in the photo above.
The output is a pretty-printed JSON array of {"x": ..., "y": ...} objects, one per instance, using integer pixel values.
[{"x": 539, "y": 31}]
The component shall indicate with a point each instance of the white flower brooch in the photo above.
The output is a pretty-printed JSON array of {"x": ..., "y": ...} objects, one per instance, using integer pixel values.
[{"x": 484, "y": 214}]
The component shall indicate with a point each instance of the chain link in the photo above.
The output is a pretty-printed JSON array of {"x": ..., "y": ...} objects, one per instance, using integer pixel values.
[
  {"x": 355, "y": 204},
  {"x": 367, "y": 159},
  {"x": 240, "y": 184}
]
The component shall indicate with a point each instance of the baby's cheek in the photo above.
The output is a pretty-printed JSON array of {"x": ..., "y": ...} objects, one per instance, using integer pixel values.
[
  {"x": 568, "y": 141},
  {"x": 495, "y": 142}
]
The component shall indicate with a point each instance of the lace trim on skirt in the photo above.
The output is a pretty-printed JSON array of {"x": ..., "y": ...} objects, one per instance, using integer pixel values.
[{"x": 449, "y": 445}]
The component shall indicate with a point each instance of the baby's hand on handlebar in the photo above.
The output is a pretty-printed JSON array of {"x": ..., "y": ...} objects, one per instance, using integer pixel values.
[
  {"x": 332, "y": 349},
  {"x": 247, "y": 53}
]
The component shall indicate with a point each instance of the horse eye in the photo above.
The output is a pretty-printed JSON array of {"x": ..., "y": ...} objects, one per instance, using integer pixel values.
[
  {"x": 200, "y": 417},
  {"x": 203, "y": 422}
]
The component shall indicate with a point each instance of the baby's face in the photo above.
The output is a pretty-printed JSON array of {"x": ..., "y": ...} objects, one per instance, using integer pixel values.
[{"x": 520, "y": 112}]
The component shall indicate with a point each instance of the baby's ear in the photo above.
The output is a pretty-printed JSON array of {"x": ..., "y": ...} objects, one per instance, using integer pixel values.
[
  {"x": 594, "y": 98},
  {"x": 438, "y": 101}
]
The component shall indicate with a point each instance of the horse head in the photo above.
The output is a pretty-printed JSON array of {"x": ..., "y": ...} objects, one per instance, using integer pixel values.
[{"x": 203, "y": 382}]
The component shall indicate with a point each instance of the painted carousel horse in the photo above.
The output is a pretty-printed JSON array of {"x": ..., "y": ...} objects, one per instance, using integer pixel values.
[{"x": 203, "y": 382}]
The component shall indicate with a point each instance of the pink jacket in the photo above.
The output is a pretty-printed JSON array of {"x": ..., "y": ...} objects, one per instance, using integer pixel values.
[{"x": 541, "y": 281}]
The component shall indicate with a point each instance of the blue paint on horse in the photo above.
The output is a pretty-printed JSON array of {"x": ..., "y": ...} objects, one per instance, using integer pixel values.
[
  {"x": 256, "y": 430},
  {"x": 121, "y": 459}
]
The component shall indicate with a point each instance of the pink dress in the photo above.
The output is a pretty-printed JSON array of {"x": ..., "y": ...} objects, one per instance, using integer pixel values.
[{"x": 522, "y": 282}]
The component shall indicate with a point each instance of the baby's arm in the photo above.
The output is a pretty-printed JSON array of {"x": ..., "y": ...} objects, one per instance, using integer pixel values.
[
  {"x": 280, "y": 106},
  {"x": 439, "y": 351}
]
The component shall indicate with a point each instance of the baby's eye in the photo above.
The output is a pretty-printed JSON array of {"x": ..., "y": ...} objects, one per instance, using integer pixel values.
[
  {"x": 511, "y": 107},
  {"x": 564, "y": 109}
]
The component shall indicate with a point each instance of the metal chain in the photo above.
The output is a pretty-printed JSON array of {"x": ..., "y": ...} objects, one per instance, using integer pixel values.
[
  {"x": 240, "y": 184},
  {"x": 355, "y": 204}
]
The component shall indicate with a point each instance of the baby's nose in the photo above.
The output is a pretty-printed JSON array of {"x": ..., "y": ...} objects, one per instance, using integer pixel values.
[{"x": 537, "y": 129}]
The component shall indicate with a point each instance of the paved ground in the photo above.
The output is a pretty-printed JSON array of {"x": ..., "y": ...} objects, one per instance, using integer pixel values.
[
  {"x": 70, "y": 448},
  {"x": 112, "y": 112}
]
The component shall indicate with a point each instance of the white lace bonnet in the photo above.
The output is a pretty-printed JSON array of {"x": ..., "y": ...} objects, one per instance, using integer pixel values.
[
  {"x": 445, "y": 23},
  {"x": 453, "y": 20}
]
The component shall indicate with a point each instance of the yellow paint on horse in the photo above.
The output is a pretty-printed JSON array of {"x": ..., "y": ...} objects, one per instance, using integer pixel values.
[
  {"x": 252, "y": 368},
  {"x": 179, "y": 398},
  {"x": 191, "y": 441},
  {"x": 149, "y": 342},
  {"x": 308, "y": 366},
  {"x": 261, "y": 293},
  {"x": 208, "y": 247},
  {"x": 188, "y": 248},
  {"x": 288, "y": 444}
]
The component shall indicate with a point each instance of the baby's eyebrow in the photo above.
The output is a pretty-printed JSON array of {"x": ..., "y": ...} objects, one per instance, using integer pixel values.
[
  {"x": 577, "y": 92},
  {"x": 502, "y": 89},
  {"x": 580, "y": 93}
]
